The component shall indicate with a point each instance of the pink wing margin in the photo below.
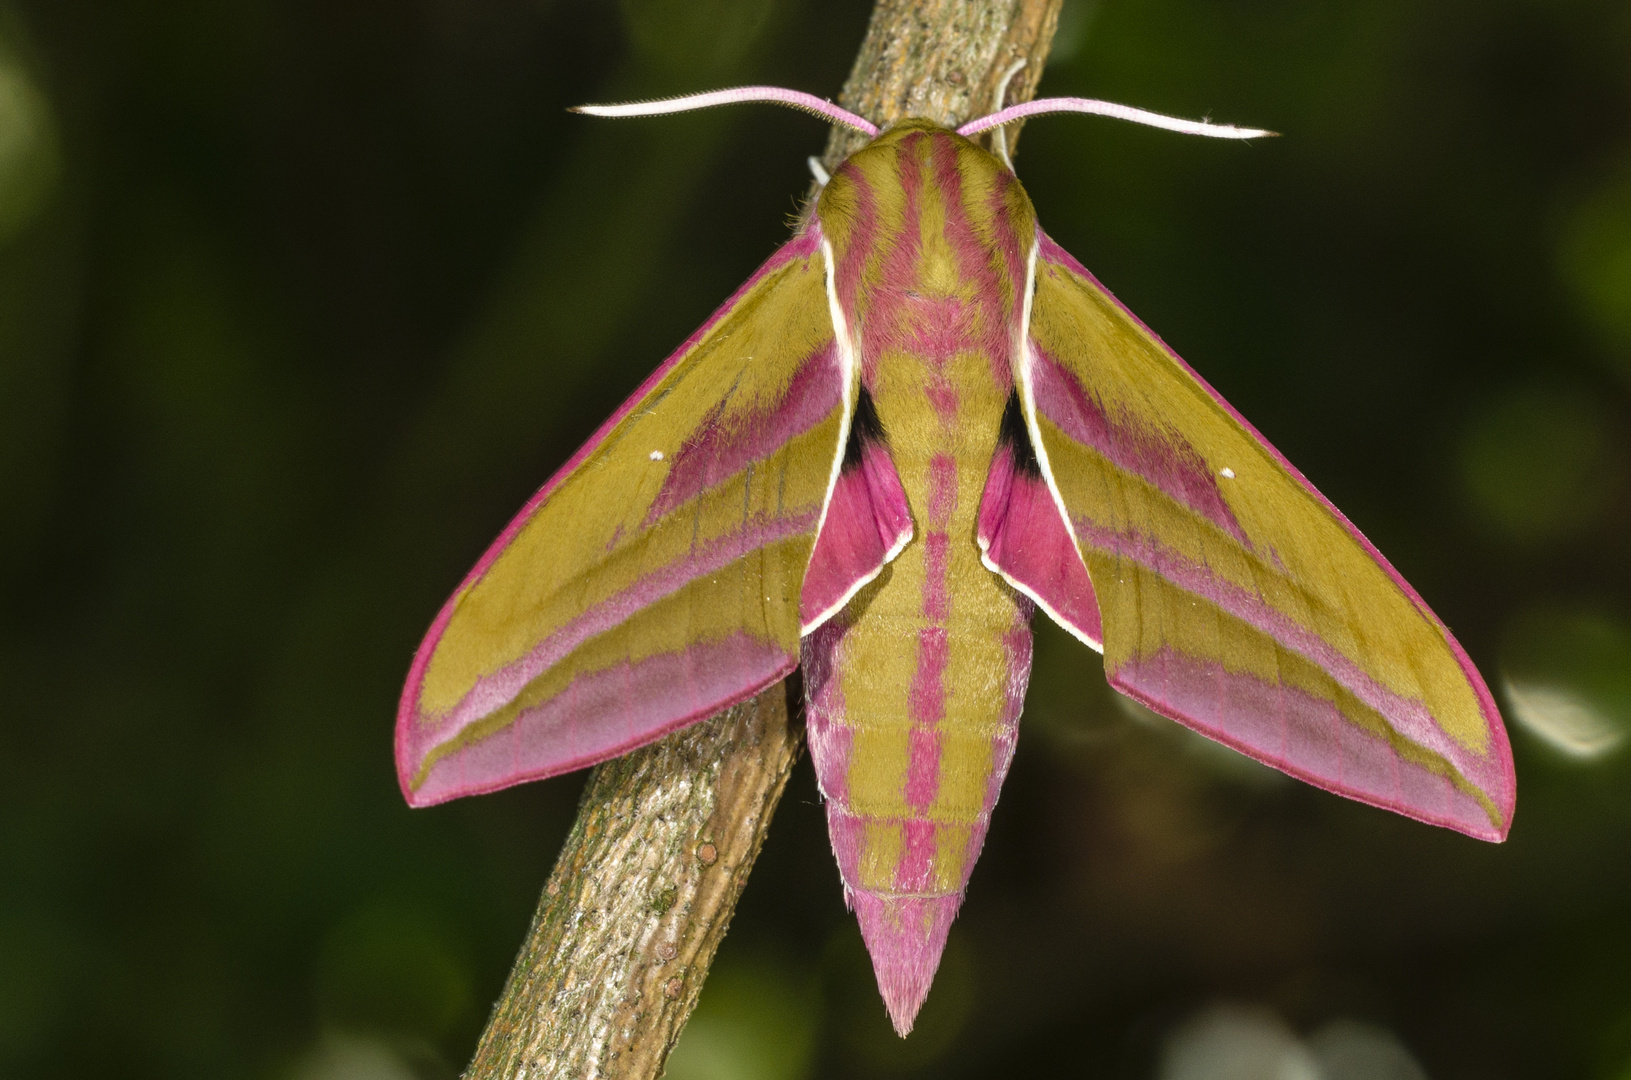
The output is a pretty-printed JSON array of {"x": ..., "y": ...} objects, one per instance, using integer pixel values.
[
  {"x": 641, "y": 697},
  {"x": 1297, "y": 732}
]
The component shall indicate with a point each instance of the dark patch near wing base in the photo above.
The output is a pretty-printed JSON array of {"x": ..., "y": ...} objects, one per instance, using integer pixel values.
[
  {"x": 1016, "y": 437},
  {"x": 866, "y": 429}
]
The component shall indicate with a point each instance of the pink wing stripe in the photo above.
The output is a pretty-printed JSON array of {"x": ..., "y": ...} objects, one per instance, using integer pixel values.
[
  {"x": 494, "y": 691},
  {"x": 868, "y": 522},
  {"x": 1500, "y": 767},
  {"x": 1408, "y": 716},
  {"x": 1300, "y": 734},
  {"x": 804, "y": 245},
  {"x": 1025, "y": 538},
  {"x": 1172, "y": 466},
  {"x": 714, "y": 453},
  {"x": 607, "y": 713}
]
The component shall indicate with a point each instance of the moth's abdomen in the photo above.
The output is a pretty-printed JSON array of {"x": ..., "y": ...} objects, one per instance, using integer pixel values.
[
  {"x": 915, "y": 717},
  {"x": 914, "y": 688},
  {"x": 914, "y": 694}
]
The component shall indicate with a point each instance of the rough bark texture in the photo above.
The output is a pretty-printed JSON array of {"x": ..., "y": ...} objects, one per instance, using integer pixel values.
[
  {"x": 942, "y": 60},
  {"x": 639, "y": 900},
  {"x": 650, "y": 875}
]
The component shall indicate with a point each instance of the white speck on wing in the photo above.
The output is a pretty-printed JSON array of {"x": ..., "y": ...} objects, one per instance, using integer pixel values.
[
  {"x": 657, "y": 455},
  {"x": 1227, "y": 474}
]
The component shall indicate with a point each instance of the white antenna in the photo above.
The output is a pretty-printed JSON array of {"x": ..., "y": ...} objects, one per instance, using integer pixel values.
[
  {"x": 775, "y": 95},
  {"x": 1095, "y": 107}
]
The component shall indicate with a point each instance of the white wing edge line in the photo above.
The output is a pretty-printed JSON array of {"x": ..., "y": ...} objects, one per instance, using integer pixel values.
[
  {"x": 1027, "y": 398},
  {"x": 1047, "y": 608},
  {"x": 847, "y": 351}
]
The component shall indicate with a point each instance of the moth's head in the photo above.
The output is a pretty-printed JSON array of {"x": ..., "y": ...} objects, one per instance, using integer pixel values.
[
  {"x": 909, "y": 130},
  {"x": 918, "y": 161},
  {"x": 923, "y": 139}
]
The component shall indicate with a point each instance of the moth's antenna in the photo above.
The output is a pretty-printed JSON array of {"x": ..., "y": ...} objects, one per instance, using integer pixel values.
[
  {"x": 1107, "y": 108},
  {"x": 776, "y": 95},
  {"x": 999, "y": 140}
]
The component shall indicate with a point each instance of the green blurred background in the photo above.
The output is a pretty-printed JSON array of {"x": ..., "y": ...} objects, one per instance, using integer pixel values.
[{"x": 300, "y": 299}]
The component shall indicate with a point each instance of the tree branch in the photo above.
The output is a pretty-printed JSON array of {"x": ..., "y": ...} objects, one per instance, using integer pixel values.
[
  {"x": 640, "y": 899},
  {"x": 942, "y": 60},
  {"x": 665, "y": 837}
]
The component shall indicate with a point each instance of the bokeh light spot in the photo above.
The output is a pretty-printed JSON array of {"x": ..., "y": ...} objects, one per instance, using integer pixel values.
[
  {"x": 1594, "y": 260},
  {"x": 350, "y": 1057},
  {"x": 1236, "y": 1042},
  {"x": 29, "y": 158},
  {"x": 1539, "y": 464},
  {"x": 1567, "y": 677},
  {"x": 1563, "y": 718},
  {"x": 1354, "y": 1050},
  {"x": 1231, "y": 1041}
]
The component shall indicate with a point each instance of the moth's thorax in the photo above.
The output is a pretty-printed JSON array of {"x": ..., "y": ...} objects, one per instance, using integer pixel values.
[{"x": 926, "y": 225}]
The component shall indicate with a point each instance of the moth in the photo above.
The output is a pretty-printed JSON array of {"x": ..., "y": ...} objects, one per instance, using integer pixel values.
[{"x": 917, "y": 423}]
